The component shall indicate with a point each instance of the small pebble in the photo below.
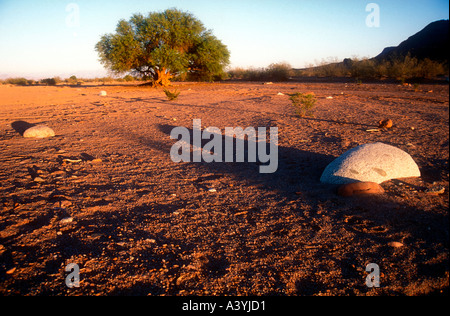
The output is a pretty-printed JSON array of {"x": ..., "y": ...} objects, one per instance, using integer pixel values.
[
  {"x": 396, "y": 244},
  {"x": 66, "y": 220}
]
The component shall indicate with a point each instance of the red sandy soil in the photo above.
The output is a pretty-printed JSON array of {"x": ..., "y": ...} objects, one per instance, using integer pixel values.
[{"x": 140, "y": 224}]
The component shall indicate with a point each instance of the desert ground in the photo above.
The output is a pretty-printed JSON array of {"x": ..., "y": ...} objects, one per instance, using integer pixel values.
[{"x": 105, "y": 195}]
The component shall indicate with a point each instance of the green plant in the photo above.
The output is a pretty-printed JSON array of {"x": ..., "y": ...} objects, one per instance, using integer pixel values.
[
  {"x": 274, "y": 72},
  {"x": 172, "y": 95},
  {"x": 49, "y": 81},
  {"x": 17, "y": 81},
  {"x": 304, "y": 103},
  {"x": 128, "y": 78}
]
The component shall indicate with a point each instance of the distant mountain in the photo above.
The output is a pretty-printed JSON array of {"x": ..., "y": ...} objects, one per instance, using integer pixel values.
[{"x": 432, "y": 42}]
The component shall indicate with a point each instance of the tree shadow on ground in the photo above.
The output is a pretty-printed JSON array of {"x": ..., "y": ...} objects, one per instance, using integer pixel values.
[{"x": 298, "y": 174}]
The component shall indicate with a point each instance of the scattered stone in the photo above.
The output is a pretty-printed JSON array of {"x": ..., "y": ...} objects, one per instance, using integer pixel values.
[
  {"x": 66, "y": 220},
  {"x": 38, "y": 180},
  {"x": 376, "y": 162},
  {"x": 395, "y": 244},
  {"x": 97, "y": 160},
  {"x": 65, "y": 204},
  {"x": 2, "y": 250},
  {"x": 386, "y": 124},
  {"x": 11, "y": 271},
  {"x": 435, "y": 191},
  {"x": 360, "y": 188},
  {"x": 39, "y": 131}
]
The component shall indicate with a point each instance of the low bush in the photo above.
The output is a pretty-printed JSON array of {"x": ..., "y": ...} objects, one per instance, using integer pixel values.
[
  {"x": 400, "y": 68},
  {"x": 304, "y": 103},
  {"x": 17, "y": 81},
  {"x": 274, "y": 72},
  {"x": 49, "y": 81},
  {"x": 172, "y": 95}
]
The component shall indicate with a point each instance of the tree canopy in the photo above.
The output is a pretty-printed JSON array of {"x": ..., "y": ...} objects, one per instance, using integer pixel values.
[{"x": 162, "y": 45}]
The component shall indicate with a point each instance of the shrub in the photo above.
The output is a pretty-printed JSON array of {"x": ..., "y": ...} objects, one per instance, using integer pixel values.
[
  {"x": 278, "y": 72},
  {"x": 49, "y": 81},
  {"x": 365, "y": 68},
  {"x": 275, "y": 72},
  {"x": 171, "y": 95},
  {"x": 304, "y": 103},
  {"x": 73, "y": 80},
  {"x": 128, "y": 78},
  {"x": 330, "y": 67},
  {"x": 431, "y": 69},
  {"x": 237, "y": 73},
  {"x": 17, "y": 81}
]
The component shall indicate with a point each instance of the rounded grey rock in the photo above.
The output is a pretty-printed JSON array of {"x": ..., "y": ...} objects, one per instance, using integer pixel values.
[{"x": 375, "y": 162}]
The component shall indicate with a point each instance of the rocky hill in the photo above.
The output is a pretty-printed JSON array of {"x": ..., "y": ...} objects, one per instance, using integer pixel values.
[{"x": 432, "y": 42}]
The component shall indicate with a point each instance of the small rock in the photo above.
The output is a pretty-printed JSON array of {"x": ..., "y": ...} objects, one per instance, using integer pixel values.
[
  {"x": 2, "y": 250},
  {"x": 395, "y": 244},
  {"x": 103, "y": 94},
  {"x": 58, "y": 173},
  {"x": 330, "y": 98},
  {"x": 360, "y": 188},
  {"x": 66, "y": 220},
  {"x": 11, "y": 271},
  {"x": 39, "y": 131},
  {"x": 66, "y": 204},
  {"x": 279, "y": 93},
  {"x": 38, "y": 180},
  {"x": 212, "y": 190},
  {"x": 386, "y": 124},
  {"x": 435, "y": 191}
]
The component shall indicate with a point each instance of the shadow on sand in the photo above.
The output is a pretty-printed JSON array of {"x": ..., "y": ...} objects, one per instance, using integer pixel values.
[{"x": 21, "y": 126}]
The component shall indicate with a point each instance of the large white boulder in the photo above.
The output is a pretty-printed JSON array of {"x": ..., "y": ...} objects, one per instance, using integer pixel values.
[
  {"x": 375, "y": 162},
  {"x": 39, "y": 131}
]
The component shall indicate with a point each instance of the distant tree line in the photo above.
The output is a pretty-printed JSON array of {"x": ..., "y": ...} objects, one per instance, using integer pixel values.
[
  {"x": 399, "y": 68},
  {"x": 73, "y": 80}
]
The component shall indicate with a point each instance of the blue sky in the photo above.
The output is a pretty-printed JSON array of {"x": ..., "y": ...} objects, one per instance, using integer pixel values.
[{"x": 43, "y": 38}]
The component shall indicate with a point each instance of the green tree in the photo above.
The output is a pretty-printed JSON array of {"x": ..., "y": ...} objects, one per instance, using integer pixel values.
[{"x": 163, "y": 45}]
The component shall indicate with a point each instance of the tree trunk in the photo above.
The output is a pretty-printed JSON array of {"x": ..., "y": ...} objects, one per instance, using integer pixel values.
[{"x": 162, "y": 78}]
